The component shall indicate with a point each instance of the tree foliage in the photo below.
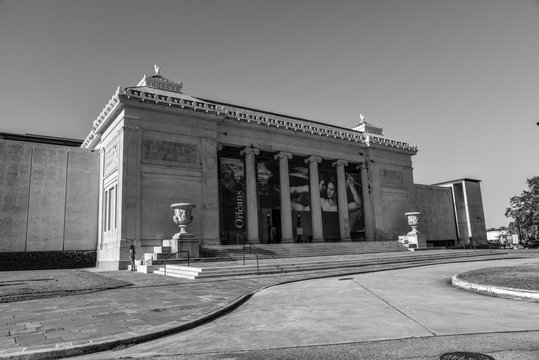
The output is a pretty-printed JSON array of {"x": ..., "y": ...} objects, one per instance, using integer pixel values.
[{"x": 524, "y": 209}]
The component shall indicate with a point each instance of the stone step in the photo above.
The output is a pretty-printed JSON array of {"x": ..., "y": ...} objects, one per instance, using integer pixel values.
[
  {"x": 305, "y": 249},
  {"x": 199, "y": 272}
]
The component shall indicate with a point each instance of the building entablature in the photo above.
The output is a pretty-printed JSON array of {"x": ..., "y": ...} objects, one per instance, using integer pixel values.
[
  {"x": 337, "y": 157},
  {"x": 161, "y": 91}
]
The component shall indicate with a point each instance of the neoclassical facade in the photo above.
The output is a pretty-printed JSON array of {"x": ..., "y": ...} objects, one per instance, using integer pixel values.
[{"x": 253, "y": 175}]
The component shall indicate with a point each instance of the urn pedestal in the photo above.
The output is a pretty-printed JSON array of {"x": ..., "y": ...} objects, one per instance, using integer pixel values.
[
  {"x": 415, "y": 238},
  {"x": 184, "y": 240}
]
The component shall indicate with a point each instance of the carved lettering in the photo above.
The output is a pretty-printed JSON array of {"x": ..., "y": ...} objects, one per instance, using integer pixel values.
[{"x": 169, "y": 151}]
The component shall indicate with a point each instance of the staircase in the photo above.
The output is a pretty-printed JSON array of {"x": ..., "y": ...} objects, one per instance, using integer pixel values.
[
  {"x": 154, "y": 262},
  {"x": 267, "y": 266},
  {"x": 277, "y": 251}
]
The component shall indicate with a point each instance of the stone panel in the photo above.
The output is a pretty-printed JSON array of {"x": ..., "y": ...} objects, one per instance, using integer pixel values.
[
  {"x": 82, "y": 201},
  {"x": 47, "y": 199},
  {"x": 393, "y": 178},
  {"x": 111, "y": 158},
  {"x": 15, "y": 162},
  {"x": 395, "y": 204},
  {"x": 437, "y": 212},
  {"x": 168, "y": 152}
]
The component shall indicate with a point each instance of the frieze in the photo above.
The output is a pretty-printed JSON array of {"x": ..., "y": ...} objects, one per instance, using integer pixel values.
[
  {"x": 392, "y": 178},
  {"x": 158, "y": 150}
]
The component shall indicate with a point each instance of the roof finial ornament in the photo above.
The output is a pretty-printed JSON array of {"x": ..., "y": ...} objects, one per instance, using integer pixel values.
[
  {"x": 157, "y": 69},
  {"x": 361, "y": 117}
]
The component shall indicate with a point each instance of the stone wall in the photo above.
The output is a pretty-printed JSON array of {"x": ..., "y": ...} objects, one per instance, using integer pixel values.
[
  {"x": 437, "y": 213},
  {"x": 48, "y": 198}
]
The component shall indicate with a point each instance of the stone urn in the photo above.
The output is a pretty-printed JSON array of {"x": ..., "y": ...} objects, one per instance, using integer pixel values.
[
  {"x": 413, "y": 221},
  {"x": 182, "y": 217}
]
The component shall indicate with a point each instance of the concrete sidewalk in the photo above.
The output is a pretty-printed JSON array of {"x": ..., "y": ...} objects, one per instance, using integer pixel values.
[
  {"x": 296, "y": 320},
  {"x": 154, "y": 306}
]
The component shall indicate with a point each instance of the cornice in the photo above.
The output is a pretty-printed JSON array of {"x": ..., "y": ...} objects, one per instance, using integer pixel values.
[
  {"x": 240, "y": 115},
  {"x": 99, "y": 122},
  {"x": 377, "y": 140}
]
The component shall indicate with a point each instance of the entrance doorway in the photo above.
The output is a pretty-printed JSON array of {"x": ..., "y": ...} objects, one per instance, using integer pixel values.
[{"x": 269, "y": 226}]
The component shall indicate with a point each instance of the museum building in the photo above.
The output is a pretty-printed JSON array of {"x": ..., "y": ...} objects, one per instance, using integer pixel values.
[{"x": 253, "y": 175}]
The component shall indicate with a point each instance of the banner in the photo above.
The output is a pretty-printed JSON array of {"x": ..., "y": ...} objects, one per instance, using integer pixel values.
[
  {"x": 355, "y": 202},
  {"x": 234, "y": 208},
  {"x": 328, "y": 190},
  {"x": 300, "y": 198}
]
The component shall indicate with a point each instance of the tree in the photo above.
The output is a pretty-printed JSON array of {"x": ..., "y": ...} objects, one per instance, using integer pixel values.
[{"x": 524, "y": 209}]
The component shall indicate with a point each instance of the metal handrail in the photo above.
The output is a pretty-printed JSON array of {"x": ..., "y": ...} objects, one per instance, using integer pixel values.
[
  {"x": 176, "y": 253},
  {"x": 251, "y": 245}
]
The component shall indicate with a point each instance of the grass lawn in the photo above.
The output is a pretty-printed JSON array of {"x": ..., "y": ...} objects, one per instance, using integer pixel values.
[
  {"x": 515, "y": 277},
  {"x": 39, "y": 284}
]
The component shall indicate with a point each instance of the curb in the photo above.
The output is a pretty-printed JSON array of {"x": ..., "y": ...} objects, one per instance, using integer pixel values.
[{"x": 497, "y": 291}]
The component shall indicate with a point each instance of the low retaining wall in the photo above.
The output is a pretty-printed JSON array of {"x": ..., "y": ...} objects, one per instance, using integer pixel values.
[{"x": 38, "y": 260}]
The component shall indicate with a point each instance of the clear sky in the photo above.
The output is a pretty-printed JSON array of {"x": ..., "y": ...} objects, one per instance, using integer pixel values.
[{"x": 458, "y": 78}]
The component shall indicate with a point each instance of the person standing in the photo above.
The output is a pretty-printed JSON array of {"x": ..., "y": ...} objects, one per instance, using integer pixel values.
[{"x": 132, "y": 256}]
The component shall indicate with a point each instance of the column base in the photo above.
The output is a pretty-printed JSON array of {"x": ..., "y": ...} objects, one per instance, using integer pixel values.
[
  {"x": 318, "y": 240},
  {"x": 346, "y": 240},
  {"x": 287, "y": 241}
]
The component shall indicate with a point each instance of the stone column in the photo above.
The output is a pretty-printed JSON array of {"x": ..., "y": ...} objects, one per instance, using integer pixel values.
[
  {"x": 286, "y": 207},
  {"x": 252, "y": 198},
  {"x": 367, "y": 208},
  {"x": 342, "y": 201},
  {"x": 316, "y": 207}
]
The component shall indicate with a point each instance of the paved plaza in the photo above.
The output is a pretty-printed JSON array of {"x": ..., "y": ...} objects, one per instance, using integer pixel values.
[{"x": 405, "y": 303}]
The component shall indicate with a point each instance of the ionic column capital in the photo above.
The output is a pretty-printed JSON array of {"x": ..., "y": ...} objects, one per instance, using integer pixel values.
[
  {"x": 250, "y": 150},
  {"x": 219, "y": 146},
  {"x": 282, "y": 155},
  {"x": 339, "y": 163},
  {"x": 313, "y": 159}
]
